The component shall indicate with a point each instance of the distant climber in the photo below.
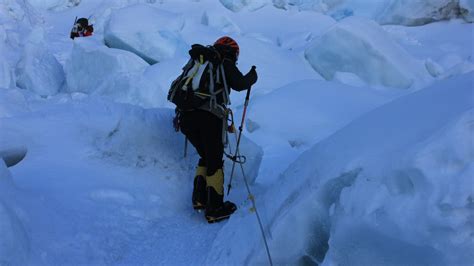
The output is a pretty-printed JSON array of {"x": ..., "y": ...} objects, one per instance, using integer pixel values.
[
  {"x": 82, "y": 28},
  {"x": 201, "y": 94}
]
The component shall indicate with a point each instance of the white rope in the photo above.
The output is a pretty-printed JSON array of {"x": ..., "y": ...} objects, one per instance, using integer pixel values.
[{"x": 254, "y": 206}]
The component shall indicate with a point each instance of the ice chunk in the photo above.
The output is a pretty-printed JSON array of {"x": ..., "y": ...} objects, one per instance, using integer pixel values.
[
  {"x": 404, "y": 12},
  {"x": 38, "y": 70},
  {"x": 467, "y": 9},
  {"x": 238, "y": 5},
  {"x": 151, "y": 33},
  {"x": 95, "y": 69},
  {"x": 315, "y": 5},
  {"x": 349, "y": 79},
  {"x": 219, "y": 21},
  {"x": 93, "y": 65},
  {"x": 412, "y": 13},
  {"x": 362, "y": 47},
  {"x": 433, "y": 68},
  {"x": 5, "y": 74},
  {"x": 55, "y": 5}
]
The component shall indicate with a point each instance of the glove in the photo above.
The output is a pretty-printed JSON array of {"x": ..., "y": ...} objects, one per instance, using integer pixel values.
[{"x": 253, "y": 75}]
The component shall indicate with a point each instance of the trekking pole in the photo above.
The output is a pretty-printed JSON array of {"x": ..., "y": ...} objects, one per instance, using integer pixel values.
[{"x": 241, "y": 127}]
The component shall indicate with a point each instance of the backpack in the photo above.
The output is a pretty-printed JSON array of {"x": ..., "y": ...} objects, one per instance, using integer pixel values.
[{"x": 202, "y": 83}]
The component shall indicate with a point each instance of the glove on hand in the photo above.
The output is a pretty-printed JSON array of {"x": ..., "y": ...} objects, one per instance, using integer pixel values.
[{"x": 253, "y": 74}]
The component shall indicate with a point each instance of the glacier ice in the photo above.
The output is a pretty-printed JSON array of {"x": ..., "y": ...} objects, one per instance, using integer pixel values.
[
  {"x": 147, "y": 31},
  {"x": 38, "y": 70},
  {"x": 117, "y": 74},
  {"x": 360, "y": 46}
]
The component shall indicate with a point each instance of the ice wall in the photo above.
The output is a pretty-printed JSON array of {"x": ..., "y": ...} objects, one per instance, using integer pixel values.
[
  {"x": 400, "y": 12},
  {"x": 467, "y": 10},
  {"x": 38, "y": 70},
  {"x": 151, "y": 33},
  {"x": 117, "y": 74},
  {"x": 359, "y": 46}
]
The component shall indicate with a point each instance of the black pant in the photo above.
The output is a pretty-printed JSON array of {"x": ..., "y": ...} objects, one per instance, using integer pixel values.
[{"x": 204, "y": 131}]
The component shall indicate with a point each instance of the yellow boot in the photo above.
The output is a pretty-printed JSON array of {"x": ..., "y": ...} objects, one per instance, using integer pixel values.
[
  {"x": 216, "y": 209},
  {"x": 199, "y": 190}
]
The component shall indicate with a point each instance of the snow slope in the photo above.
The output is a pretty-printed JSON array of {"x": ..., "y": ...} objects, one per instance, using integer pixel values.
[
  {"x": 131, "y": 180},
  {"x": 367, "y": 194}
]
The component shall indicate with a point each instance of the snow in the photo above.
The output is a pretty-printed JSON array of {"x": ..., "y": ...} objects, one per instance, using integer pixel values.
[
  {"x": 389, "y": 185},
  {"x": 151, "y": 33},
  {"x": 346, "y": 170},
  {"x": 361, "y": 47},
  {"x": 14, "y": 238},
  {"x": 311, "y": 101},
  {"x": 134, "y": 179}
]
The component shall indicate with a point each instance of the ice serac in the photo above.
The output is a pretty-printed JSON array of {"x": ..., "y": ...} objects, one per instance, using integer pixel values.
[
  {"x": 400, "y": 12},
  {"x": 238, "y": 5},
  {"x": 96, "y": 69},
  {"x": 38, "y": 70},
  {"x": 151, "y": 33},
  {"x": 315, "y": 5},
  {"x": 55, "y": 5},
  {"x": 362, "y": 47},
  {"x": 467, "y": 9},
  {"x": 219, "y": 21},
  {"x": 414, "y": 13},
  {"x": 5, "y": 75}
]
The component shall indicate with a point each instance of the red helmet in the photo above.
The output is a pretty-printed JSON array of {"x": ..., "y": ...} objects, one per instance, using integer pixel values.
[{"x": 228, "y": 41}]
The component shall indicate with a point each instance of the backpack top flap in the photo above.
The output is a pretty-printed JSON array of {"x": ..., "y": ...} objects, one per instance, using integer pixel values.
[{"x": 208, "y": 53}]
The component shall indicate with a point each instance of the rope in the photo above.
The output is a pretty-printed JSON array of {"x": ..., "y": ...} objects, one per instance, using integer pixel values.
[{"x": 254, "y": 208}]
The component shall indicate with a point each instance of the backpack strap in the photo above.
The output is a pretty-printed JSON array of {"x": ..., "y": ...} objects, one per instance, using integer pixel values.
[
  {"x": 213, "y": 100},
  {"x": 226, "y": 89}
]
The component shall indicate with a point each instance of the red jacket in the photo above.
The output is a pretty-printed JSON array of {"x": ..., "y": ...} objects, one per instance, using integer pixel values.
[{"x": 82, "y": 33}]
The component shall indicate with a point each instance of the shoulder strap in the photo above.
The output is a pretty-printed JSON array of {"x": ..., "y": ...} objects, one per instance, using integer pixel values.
[{"x": 226, "y": 89}]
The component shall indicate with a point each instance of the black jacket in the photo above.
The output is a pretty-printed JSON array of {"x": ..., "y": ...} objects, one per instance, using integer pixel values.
[{"x": 235, "y": 79}]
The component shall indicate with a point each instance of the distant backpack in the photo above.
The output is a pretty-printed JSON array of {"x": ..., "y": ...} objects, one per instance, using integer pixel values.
[
  {"x": 202, "y": 83},
  {"x": 81, "y": 28}
]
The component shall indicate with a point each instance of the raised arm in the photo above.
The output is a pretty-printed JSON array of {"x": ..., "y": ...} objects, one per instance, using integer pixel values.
[{"x": 235, "y": 79}]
